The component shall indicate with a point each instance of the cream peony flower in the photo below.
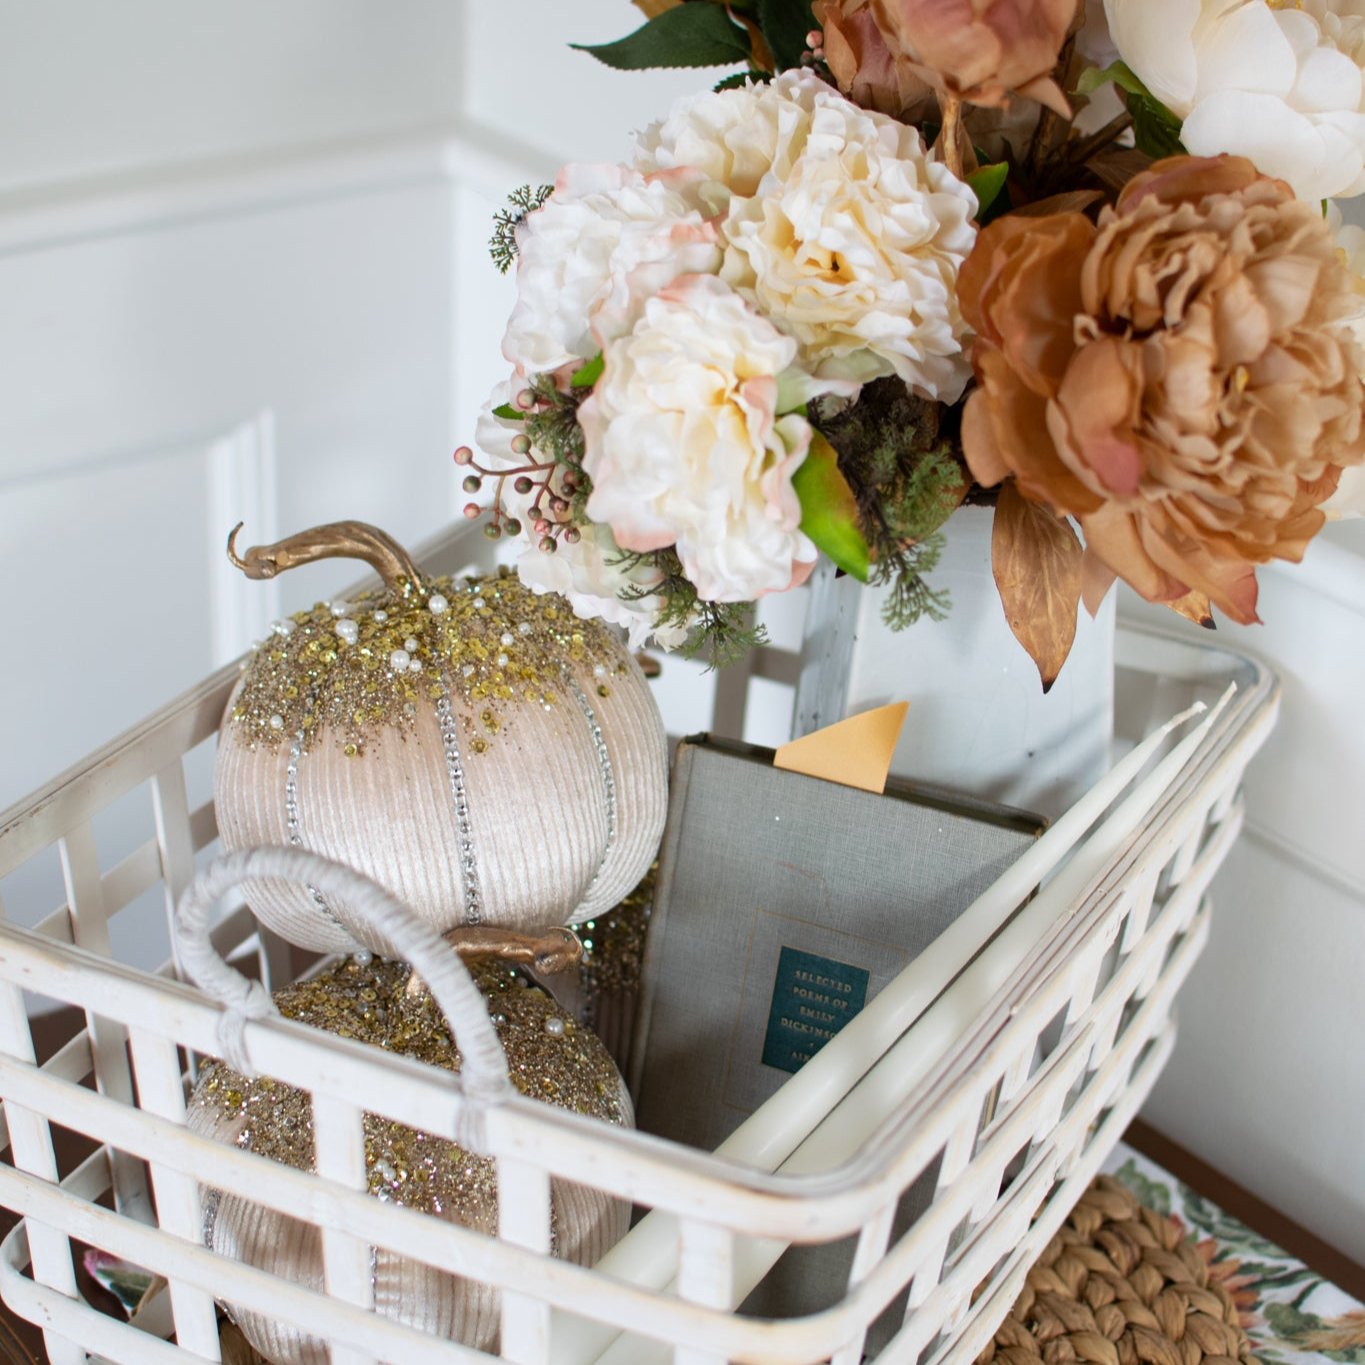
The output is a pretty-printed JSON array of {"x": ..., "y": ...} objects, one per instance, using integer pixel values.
[
  {"x": 599, "y": 581},
  {"x": 732, "y": 138},
  {"x": 838, "y": 226},
  {"x": 1278, "y": 83},
  {"x": 691, "y": 440},
  {"x": 576, "y": 252},
  {"x": 856, "y": 252}
]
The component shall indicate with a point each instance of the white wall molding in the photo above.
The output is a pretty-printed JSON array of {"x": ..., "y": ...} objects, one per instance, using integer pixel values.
[
  {"x": 94, "y": 208},
  {"x": 242, "y": 487},
  {"x": 1306, "y": 862}
]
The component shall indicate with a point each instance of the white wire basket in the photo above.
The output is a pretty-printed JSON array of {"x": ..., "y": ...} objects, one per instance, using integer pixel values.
[{"x": 1005, "y": 1122}]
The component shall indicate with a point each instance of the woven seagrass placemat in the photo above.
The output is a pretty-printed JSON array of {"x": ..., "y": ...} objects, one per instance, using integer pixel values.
[{"x": 1118, "y": 1285}]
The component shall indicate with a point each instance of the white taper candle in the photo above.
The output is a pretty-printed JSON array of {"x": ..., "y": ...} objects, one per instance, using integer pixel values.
[{"x": 768, "y": 1138}]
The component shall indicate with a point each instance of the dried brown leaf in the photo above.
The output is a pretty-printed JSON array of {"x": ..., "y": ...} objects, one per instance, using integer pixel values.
[
  {"x": 1036, "y": 558},
  {"x": 651, "y": 9},
  {"x": 1196, "y": 607},
  {"x": 1073, "y": 201},
  {"x": 1116, "y": 166},
  {"x": 760, "y": 54}
]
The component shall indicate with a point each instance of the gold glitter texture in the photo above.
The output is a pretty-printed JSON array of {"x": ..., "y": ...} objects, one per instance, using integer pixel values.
[
  {"x": 614, "y": 943},
  {"x": 550, "y": 1058},
  {"x": 496, "y": 644},
  {"x": 604, "y": 993}
]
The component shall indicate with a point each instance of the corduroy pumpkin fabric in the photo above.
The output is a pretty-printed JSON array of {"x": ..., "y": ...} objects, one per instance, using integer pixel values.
[{"x": 1119, "y": 1285}]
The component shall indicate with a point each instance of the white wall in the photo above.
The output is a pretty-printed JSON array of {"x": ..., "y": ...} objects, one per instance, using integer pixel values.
[
  {"x": 227, "y": 290},
  {"x": 90, "y": 90},
  {"x": 1268, "y": 1077},
  {"x": 242, "y": 272}
]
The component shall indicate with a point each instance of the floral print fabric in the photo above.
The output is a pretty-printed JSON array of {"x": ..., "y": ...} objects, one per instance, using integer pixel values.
[{"x": 1291, "y": 1314}]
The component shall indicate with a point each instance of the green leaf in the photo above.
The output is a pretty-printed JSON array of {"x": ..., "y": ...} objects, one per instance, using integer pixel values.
[
  {"x": 785, "y": 24},
  {"x": 586, "y": 377},
  {"x": 1116, "y": 73},
  {"x": 509, "y": 413},
  {"x": 1156, "y": 130},
  {"x": 1149, "y": 1192},
  {"x": 691, "y": 34},
  {"x": 987, "y": 183},
  {"x": 1289, "y": 1322},
  {"x": 829, "y": 511}
]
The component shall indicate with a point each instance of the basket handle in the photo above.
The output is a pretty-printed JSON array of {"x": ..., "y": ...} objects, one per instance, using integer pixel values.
[{"x": 483, "y": 1076}]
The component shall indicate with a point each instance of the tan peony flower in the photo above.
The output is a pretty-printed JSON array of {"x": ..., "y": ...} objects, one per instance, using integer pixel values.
[
  {"x": 863, "y": 65},
  {"x": 1182, "y": 379},
  {"x": 980, "y": 50}
]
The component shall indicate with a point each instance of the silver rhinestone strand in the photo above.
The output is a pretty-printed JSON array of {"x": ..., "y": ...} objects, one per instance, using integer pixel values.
[
  {"x": 212, "y": 1199},
  {"x": 291, "y": 808},
  {"x": 450, "y": 741},
  {"x": 604, "y": 766}
]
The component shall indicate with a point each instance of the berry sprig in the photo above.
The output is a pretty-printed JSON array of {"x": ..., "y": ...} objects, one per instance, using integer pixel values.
[{"x": 552, "y": 473}]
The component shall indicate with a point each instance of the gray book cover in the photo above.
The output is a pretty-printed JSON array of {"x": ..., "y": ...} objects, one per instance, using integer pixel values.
[{"x": 784, "y": 904}]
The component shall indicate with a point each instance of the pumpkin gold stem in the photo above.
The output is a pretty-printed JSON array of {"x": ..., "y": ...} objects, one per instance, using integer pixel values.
[
  {"x": 335, "y": 540},
  {"x": 547, "y": 950}
]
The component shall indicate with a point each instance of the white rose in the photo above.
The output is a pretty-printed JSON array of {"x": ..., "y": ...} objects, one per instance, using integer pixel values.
[
  {"x": 599, "y": 581},
  {"x": 686, "y": 444},
  {"x": 855, "y": 252},
  {"x": 1280, "y": 85},
  {"x": 576, "y": 252}
]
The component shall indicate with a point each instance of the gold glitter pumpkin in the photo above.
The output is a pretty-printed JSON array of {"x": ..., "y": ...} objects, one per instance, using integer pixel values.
[
  {"x": 549, "y": 1058},
  {"x": 468, "y": 744}
]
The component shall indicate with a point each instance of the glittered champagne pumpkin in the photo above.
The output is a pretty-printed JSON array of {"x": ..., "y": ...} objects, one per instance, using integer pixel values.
[
  {"x": 549, "y": 1058},
  {"x": 469, "y": 744}
]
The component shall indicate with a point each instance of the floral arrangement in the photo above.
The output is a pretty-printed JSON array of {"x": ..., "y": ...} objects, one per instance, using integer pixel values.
[{"x": 1072, "y": 261}]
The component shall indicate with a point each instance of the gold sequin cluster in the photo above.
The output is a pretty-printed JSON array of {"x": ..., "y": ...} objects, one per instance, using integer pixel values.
[
  {"x": 614, "y": 943},
  {"x": 549, "y": 1058},
  {"x": 354, "y": 669}
]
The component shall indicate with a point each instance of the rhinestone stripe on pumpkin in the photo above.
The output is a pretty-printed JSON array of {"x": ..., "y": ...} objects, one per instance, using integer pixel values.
[
  {"x": 450, "y": 743},
  {"x": 212, "y": 1198},
  {"x": 291, "y": 810}
]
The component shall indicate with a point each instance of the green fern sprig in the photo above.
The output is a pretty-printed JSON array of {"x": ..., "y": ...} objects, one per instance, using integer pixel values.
[{"x": 502, "y": 245}]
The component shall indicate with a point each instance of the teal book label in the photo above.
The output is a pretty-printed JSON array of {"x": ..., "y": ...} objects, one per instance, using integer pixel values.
[{"x": 813, "y": 998}]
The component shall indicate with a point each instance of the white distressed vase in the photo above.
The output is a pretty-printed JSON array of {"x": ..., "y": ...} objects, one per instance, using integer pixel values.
[{"x": 978, "y": 720}]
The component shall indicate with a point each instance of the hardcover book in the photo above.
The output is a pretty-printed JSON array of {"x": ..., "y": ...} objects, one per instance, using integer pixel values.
[{"x": 784, "y": 904}]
